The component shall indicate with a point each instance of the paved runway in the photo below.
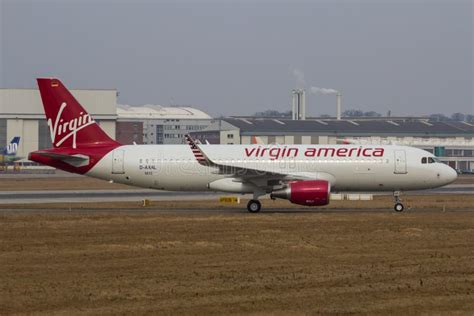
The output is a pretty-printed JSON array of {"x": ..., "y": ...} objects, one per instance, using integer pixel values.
[{"x": 45, "y": 196}]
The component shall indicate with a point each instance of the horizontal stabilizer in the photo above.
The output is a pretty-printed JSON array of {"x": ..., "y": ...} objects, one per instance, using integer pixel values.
[{"x": 76, "y": 160}]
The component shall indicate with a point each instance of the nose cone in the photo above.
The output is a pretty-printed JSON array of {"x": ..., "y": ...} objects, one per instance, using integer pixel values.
[{"x": 449, "y": 175}]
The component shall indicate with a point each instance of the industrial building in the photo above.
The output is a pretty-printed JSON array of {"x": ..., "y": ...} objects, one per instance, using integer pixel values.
[
  {"x": 21, "y": 114},
  {"x": 155, "y": 124}
]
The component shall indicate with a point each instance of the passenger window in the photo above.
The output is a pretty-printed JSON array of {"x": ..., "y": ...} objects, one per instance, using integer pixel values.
[
  {"x": 423, "y": 160},
  {"x": 430, "y": 160}
]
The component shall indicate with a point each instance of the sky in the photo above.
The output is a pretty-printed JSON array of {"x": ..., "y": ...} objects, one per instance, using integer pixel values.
[{"x": 239, "y": 57}]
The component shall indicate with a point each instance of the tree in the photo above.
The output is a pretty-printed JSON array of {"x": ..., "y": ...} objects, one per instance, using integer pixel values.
[
  {"x": 458, "y": 117},
  {"x": 352, "y": 113},
  {"x": 273, "y": 113},
  {"x": 372, "y": 114},
  {"x": 439, "y": 117},
  {"x": 359, "y": 113}
]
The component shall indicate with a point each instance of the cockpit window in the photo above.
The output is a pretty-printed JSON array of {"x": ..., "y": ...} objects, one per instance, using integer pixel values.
[{"x": 430, "y": 160}]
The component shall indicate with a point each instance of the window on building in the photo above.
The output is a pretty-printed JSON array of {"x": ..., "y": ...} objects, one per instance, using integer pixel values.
[
  {"x": 3, "y": 132},
  {"x": 457, "y": 152},
  {"x": 230, "y": 136},
  {"x": 159, "y": 134}
]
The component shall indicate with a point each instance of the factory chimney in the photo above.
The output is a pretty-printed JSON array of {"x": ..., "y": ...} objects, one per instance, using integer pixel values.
[
  {"x": 298, "y": 105},
  {"x": 338, "y": 105}
]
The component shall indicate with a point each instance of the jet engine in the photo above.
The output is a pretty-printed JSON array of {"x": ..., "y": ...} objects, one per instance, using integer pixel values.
[{"x": 309, "y": 193}]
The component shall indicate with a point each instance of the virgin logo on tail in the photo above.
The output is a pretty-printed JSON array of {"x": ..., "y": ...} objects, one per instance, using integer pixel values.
[{"x": 61, "y": 130}]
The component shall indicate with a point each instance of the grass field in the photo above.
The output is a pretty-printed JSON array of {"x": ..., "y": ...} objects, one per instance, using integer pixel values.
[
  {"x": 202, "y": 257},
  {"x": 210, "y": 263}
]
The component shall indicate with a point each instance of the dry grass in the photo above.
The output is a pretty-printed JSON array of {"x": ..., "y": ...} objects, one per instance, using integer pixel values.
[{"x": 213, "y": 263}]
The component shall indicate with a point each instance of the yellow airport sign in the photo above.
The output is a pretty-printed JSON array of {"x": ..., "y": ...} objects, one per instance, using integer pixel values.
[{"x": 229, "y": 199}]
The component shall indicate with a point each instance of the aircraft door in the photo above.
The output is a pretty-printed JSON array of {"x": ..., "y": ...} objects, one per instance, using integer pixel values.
[
  {"x": 118, "y": 161},
  {"x": 400, "y": 162}
]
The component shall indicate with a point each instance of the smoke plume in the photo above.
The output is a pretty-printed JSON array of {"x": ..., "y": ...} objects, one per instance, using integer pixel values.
[
  {"x": 301, "y": 83},
  {"x": 317, "y": 90}
]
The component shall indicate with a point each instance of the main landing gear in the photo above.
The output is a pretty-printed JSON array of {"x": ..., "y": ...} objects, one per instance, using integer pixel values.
[
  {"x": 398, "y": 207},
  {"x": 254, "y": 206}
]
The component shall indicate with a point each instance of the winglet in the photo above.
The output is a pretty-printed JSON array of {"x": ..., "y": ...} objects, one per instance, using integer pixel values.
[{"x": 197, "y": 152}]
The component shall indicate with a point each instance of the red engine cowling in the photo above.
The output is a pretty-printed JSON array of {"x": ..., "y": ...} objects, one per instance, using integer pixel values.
[{"x": 309, "y": 193}]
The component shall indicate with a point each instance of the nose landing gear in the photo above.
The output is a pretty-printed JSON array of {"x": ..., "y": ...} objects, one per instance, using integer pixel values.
[{"x": 398, "y": 207}]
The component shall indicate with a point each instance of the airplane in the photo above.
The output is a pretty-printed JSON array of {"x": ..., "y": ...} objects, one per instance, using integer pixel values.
[
  {"x": 9, "y": 152},
  {"x": 303, "y": 174}
]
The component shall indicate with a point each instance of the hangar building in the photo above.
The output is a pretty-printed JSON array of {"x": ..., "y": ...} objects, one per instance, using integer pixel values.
[{"x": 22, "y": 114}]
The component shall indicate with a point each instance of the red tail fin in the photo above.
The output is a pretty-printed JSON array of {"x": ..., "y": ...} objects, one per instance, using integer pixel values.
[{"x": 69, "y": 124}]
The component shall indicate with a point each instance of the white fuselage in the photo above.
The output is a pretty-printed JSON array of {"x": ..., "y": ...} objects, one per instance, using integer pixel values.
[{"x": 174, "y": 168}]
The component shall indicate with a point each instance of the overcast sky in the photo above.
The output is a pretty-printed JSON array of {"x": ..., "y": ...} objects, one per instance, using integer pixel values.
[{"x": 239, "y": 57}]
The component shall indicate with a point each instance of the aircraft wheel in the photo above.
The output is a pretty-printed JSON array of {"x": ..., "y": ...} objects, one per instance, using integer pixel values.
[
  {"x": 398, "y": 207},
  {"x": 254, "y": 206}
]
